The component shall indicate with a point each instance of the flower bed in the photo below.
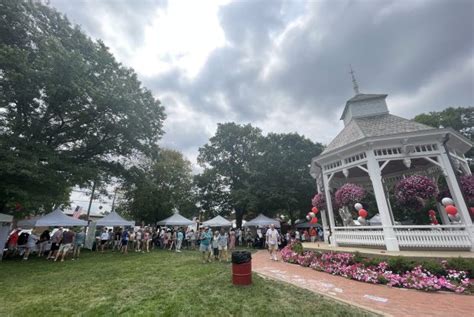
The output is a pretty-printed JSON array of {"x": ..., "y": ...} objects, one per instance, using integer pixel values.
[{"x": 380, "y": 272}]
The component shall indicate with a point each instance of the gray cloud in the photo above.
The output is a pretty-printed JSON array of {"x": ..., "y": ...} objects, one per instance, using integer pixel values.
[{"x": 285, "y": 65}]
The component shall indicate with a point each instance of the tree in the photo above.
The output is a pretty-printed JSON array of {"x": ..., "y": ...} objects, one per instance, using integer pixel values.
[
  {"x": 231, "y": 153},
  {"x": 155, "y": 188},
  {"x": 69, "y": 112},
  {"x": 460, "y": 119},
  {"x": 213, "y": 193},
  {"x": 281, "y": 176},
  {"x": 263, "y": 174}
]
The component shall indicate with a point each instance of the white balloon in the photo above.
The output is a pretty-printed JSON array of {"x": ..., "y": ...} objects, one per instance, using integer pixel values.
[
  {"x": 447, "y": 201},
  {"x": 358, "y": 206},
  {"x": 362, "y": 220},
  {"x": 308, "y": 217},
  {"x": 312, "y": 214}
]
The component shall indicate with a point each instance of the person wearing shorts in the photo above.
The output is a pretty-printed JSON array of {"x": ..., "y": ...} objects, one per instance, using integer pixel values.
[
  {"x": 104, "y": 238},
  {"x": 205, "y": 245},
  {"x": 66, "y": 245},
  {"x": 125, "y": 237},
  {"x": 222, "y": 241},
  {"x": 43, "y": 242},
  {"x": 79, "y": 243},
  {"x": 55, "y": 243},
  {"x": 272, "y": 239}
]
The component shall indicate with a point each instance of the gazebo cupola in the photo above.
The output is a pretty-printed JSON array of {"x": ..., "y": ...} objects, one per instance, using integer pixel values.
[
  {"x": 375, "y": 150},
  {"x": 364, "y": 105}
]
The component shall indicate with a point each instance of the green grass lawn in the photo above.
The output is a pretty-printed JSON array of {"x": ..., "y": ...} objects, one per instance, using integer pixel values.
[{"x": 160, "y": 283}]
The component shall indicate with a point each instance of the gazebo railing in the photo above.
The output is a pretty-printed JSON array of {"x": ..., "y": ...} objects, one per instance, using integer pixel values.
[
  {"x": 360, "y": 235},
  {"x": 446, "y": 236},
  {"x": 422, "y": 237}
]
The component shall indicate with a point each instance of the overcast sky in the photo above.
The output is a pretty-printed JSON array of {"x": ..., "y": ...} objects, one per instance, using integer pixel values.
[{"x": 284, "y": 65}]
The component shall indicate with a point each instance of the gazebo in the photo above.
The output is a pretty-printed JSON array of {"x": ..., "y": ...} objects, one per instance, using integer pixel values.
[{"x": 375, "y": 150}]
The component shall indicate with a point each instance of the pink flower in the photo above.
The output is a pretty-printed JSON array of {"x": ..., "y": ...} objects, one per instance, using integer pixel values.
[
  {"x": 415, "y": 188},
  {"x": 349, "y": 194}
]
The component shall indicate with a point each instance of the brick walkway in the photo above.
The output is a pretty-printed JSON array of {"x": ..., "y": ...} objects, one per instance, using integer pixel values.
[{"x": 379, "y": 298}]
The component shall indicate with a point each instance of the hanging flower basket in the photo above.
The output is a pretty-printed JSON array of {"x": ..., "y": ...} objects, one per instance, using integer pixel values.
[
  {"x": 415, "y": 188},
  {"x": 349, "y": 194},
  {"x": 467, "y": 184},
  {"x": 319, "y": 201}
]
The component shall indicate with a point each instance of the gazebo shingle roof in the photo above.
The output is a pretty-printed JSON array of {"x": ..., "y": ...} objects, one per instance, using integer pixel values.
[{"x": 373, "y": 126}]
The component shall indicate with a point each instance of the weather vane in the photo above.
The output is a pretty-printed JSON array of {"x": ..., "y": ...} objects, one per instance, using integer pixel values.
[{"x": 354, "y": 81}]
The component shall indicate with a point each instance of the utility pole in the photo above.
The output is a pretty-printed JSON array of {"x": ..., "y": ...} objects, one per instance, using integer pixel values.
[
  {"x": 113, "y": 201},
  {"x": 90, "y": 202}
]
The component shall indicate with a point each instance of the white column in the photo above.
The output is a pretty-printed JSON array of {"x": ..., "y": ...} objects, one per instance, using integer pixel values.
[
  {"x": 330, "y": 211},
  {"x": 443, "y": 214},
  {"x": 457, "y": 194},
  {"x": 373, "y": 167},
  {"x": 324, "y": 219}
]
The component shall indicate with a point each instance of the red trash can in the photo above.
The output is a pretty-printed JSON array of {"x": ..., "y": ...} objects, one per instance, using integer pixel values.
[{"x": 241, "y": 272}]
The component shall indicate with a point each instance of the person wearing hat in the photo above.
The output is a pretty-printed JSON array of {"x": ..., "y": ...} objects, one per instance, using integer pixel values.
[{"x": 205, "y": 245}]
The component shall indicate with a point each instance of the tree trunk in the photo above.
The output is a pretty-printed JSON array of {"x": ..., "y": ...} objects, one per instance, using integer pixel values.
[{"x": 239, "y": 215}]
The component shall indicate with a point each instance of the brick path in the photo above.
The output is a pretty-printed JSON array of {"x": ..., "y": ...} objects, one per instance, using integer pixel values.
[{"x": 379, "y": 298}]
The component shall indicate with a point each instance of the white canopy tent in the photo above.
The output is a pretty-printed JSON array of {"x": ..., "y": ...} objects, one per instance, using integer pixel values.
[
  {"x": 114, "y": 219},
  {"x": 175, "y": 220},
  {"x": 217, "y": 221},
  {"x": 262, "y": 220},
  {"x": 5, "y": 224},
  {"x": 57, "y": 218},
  {"x": 6, "y": 219},
  {"x": 27, "y": 223}
]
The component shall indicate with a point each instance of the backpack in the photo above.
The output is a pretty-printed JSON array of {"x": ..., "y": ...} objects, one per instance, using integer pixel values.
[{"x": 23, "y": 238}]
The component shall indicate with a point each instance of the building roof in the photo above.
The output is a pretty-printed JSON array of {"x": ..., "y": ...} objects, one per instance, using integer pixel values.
[
  {"x": 361, "y": 97},
  {"x": 373, "y": 126}
]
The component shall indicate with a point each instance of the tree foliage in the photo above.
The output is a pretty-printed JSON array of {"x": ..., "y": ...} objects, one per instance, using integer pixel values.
[
  {"x": 231, "y": 153},
  {"x": 262, "y": 174},
  {"x": 69, "y": 112},
  {"x": 460, "y": 119},
  {"x": 212, "y": 193},
  {"x": 155, "y": 188},
  {"x": 281, "y": 178}
]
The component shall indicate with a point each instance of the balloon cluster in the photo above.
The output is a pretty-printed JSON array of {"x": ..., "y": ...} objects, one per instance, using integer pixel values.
[
  {"x": 362, "y": 213},
  {"x": 451, "y": 210},
  {"x": 311, "y": 216},
  {"x": 432, "y": 215}
]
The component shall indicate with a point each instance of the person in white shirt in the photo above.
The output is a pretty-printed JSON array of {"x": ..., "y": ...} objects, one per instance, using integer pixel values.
[
  {"x": 272, "y": 239},
  {"x": 104, "y": 238}
]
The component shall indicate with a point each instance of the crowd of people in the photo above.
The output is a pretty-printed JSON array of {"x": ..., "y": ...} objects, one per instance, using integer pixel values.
[
  {"x": 54, "y": 245},
  {"x": 214, "y": 244}
]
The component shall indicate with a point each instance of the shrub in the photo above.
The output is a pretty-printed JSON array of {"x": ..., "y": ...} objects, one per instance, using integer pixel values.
[
  {"x": 400, "y": 264},
  {"x": 461, "y": 264},
  {"x": 297, "y": 247}
]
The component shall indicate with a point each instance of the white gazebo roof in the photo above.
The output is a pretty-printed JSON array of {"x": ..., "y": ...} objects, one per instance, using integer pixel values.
[
  {"x": 175, "y": 220},
  {"x": 262, "y": 220},
  {"x": 217, "y": 221},
  {"x": 373, "y": 126},
  {"x": 114, "y": 219}
]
